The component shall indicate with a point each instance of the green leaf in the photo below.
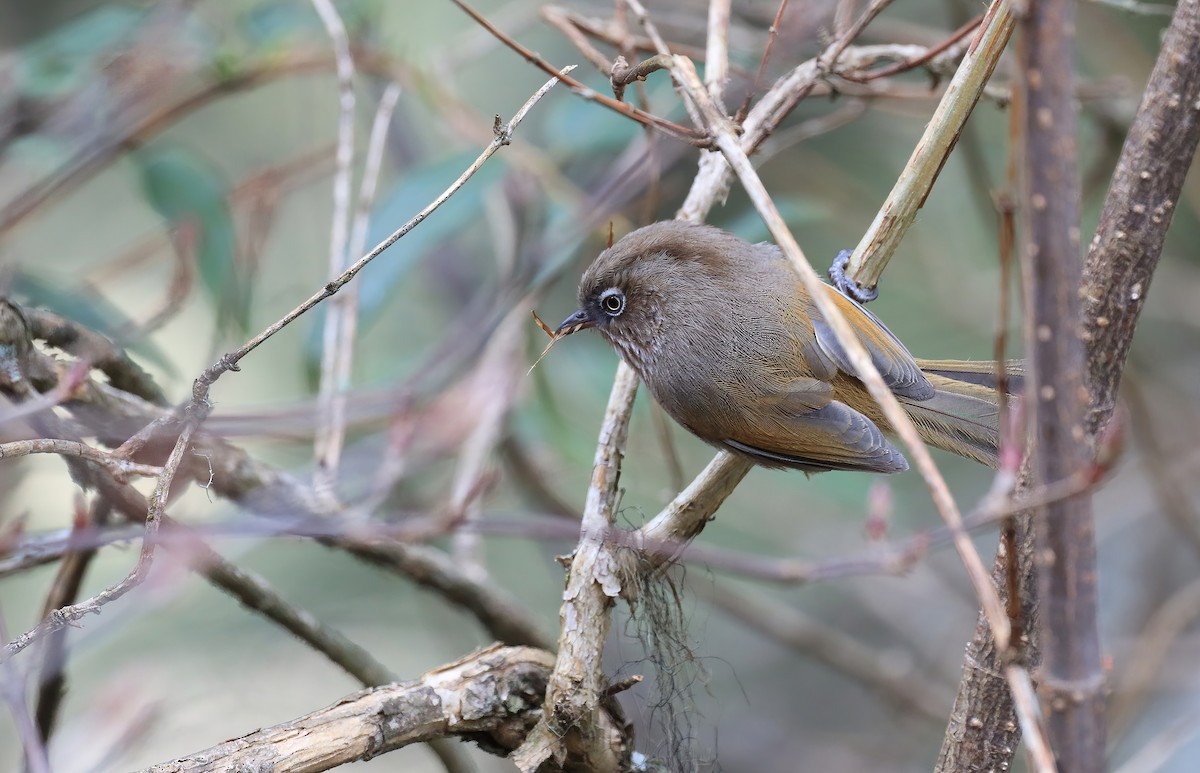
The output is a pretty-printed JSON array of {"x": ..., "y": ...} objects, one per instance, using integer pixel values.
[{"x": 187, "y": 191}]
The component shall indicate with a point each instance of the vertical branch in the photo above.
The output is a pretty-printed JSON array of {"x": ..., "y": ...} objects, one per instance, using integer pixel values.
[
  {"x": 327, "y": 447},
  {"x": 576, "y": 686},
  {"x": 1072, "y": 682},
  {"x": 716, "y": 53}
]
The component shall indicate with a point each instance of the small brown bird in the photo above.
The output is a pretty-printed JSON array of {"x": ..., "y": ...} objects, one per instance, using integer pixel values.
[{"x": 732, "y": 346}]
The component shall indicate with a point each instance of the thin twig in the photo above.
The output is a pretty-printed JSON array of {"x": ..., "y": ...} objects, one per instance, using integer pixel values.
[
  {"x": 671, "y": 129},
  {"x": 65, "y": 616},
  {"x": 12, "y": 692},
  {"x": 772, "y": 35},
  {"x": 503, "y": 136}
]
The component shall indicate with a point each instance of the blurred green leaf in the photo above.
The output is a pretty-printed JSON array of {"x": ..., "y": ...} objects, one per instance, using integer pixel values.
[
  {"x": 61, "y": 62},
  {"x": 379, "y": 280},
  {"x": 277, "y": 23},
  {"x": 579, "y": 129},
  {"x": 89, "y": 308},
  {"x": 187, "y": 191}
]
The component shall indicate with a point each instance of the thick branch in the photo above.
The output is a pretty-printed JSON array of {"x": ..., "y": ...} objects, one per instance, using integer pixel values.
[
  {"x": 1157, "y": 154},
  {"x": 491, "y": 696},
  {"x": 1154, "y": 161}
]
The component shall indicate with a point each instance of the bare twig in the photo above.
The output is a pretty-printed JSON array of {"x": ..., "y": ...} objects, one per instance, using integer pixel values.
[
  {"x": 341, "y": 324},
  {"x": 669, "y": 128},
  {"x": 158, "y": 502},
  {"x": 772, "y": 35},
  {"x": 12, "y": 692},
  {"x": 503, "y": 136}
]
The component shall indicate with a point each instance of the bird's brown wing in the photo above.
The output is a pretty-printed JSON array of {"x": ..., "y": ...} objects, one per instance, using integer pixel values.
[
  {"x": 898, "y": 368},
  {"x": 799, "y": 425}
]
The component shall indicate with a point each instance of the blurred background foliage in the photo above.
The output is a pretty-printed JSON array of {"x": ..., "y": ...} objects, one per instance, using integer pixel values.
[{"x": 165, "y": 179}]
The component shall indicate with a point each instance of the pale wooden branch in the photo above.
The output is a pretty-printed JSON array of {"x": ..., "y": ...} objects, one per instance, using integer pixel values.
[
  {"x": 716, "y": 55},
  {"x": 577, "y": 683},
  {"x": 491, "y": 696},
  {"x": 327, "y": 445},
  {"x": 330, "y": 432},
  {"x": 899, "y": 210}
]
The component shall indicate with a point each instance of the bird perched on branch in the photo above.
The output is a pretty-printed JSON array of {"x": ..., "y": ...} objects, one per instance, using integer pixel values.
[{"x": 732, "y": 346}]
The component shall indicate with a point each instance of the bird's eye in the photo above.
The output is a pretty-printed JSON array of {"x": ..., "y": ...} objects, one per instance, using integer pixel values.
[{"x": 612, "y": 301}]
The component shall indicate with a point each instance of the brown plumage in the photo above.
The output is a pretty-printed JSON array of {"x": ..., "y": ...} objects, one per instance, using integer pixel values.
[{"x": 731, "y": 345}]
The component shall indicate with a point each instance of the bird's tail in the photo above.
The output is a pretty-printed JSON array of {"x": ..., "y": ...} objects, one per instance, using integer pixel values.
[{"x": 963, "y": 415}]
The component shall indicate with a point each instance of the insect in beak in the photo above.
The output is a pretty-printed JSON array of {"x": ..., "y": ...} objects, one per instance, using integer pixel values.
[{"x": 574, "y": 323}]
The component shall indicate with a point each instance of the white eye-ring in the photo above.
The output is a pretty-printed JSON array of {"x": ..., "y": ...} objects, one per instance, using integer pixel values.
[{"x": 612, "y": 302}]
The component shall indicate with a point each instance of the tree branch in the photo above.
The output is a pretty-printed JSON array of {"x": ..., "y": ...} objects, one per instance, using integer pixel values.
[{"x": 491, "y": 696}]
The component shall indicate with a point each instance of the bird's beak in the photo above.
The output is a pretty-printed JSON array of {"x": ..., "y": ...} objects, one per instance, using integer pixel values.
[{"x": 574, "y": 323}]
